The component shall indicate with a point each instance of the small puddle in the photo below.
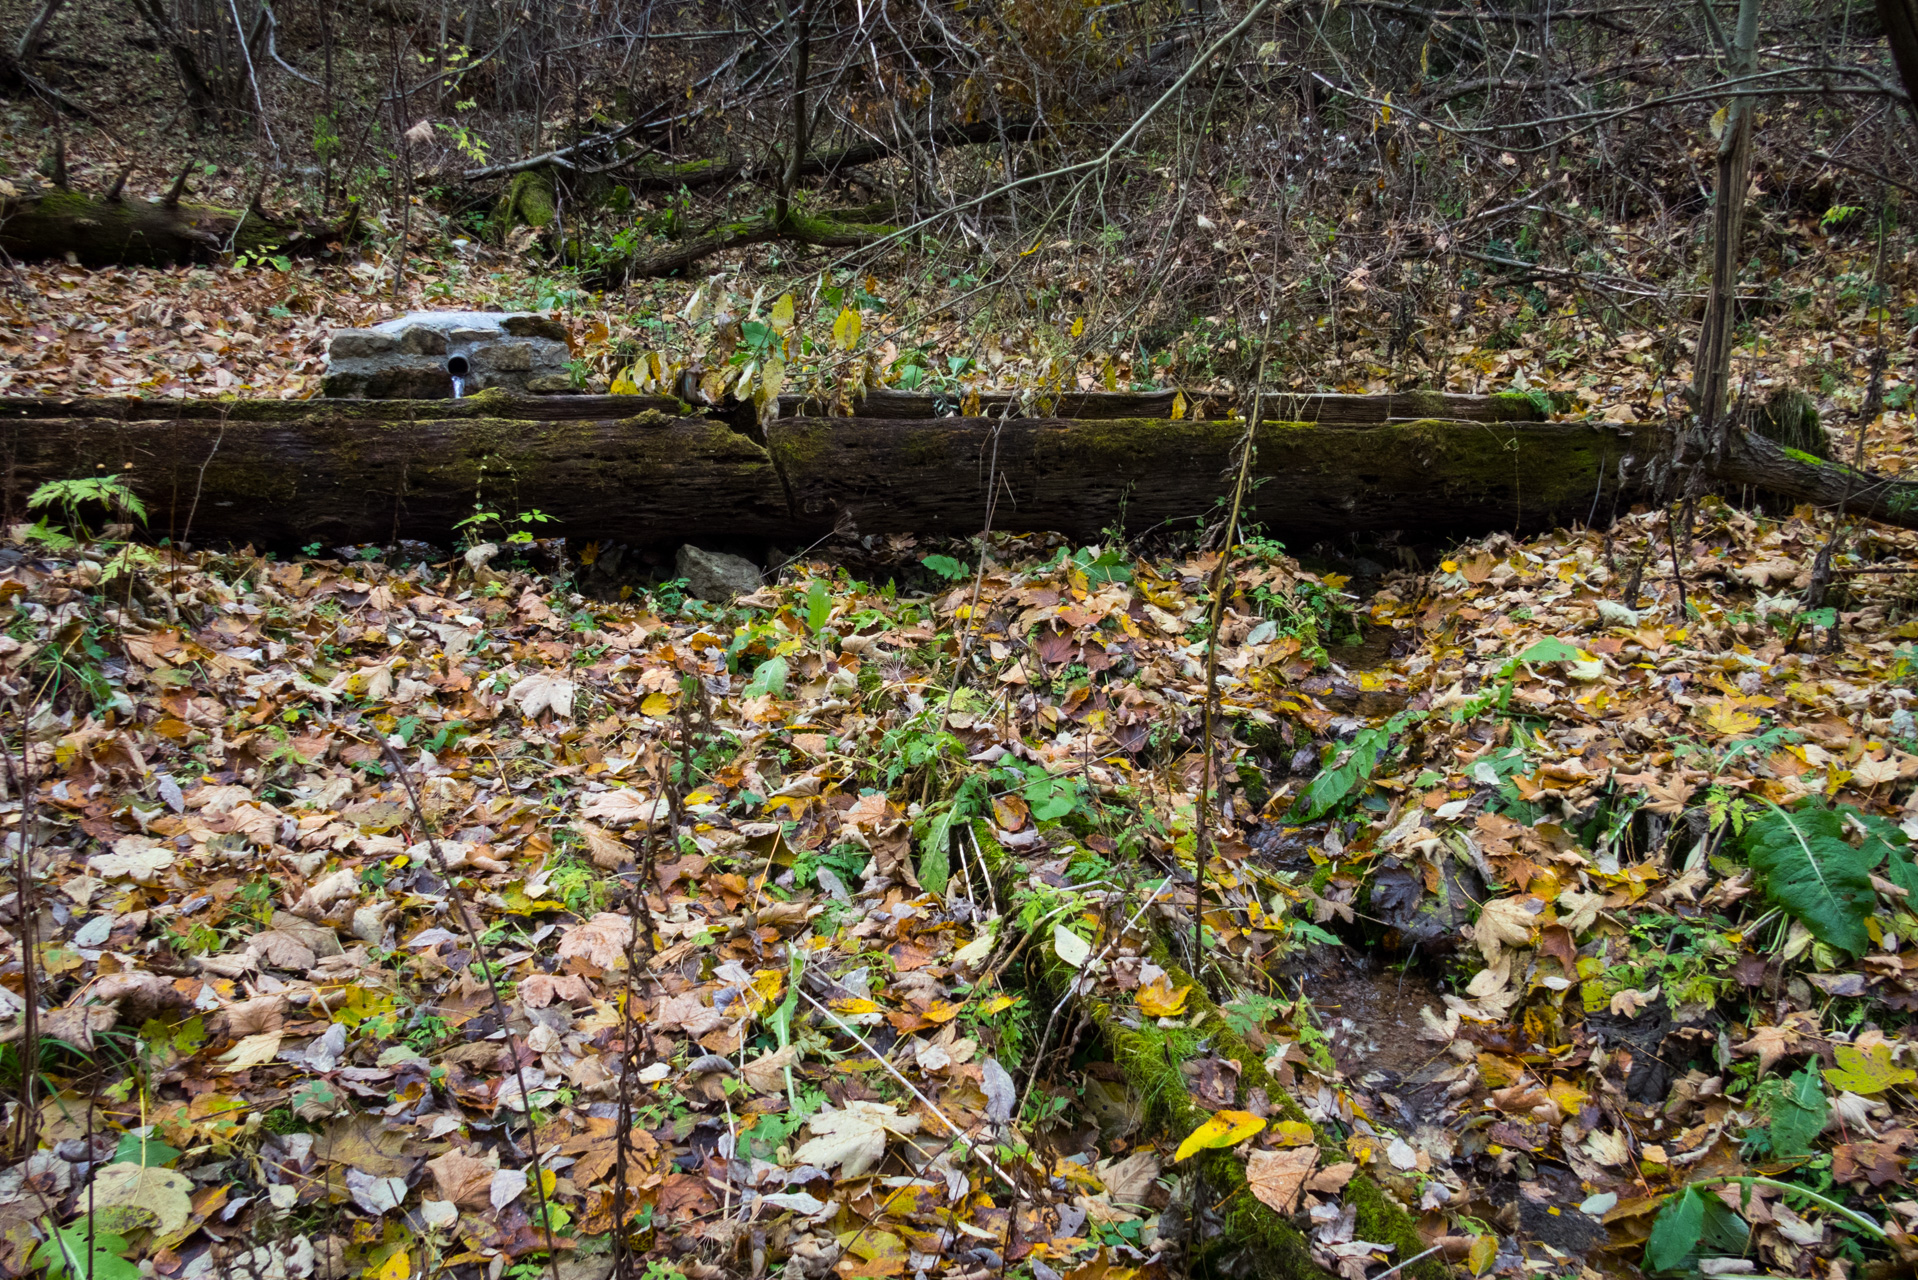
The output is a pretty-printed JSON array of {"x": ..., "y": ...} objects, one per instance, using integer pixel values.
[{"x": 1370, "y": 1011}]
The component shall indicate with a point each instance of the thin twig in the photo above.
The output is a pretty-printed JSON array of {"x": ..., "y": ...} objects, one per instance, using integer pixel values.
[
  {"x": 1246, "y": 448},
  {"x": 492, "y": 987},
  {"x": 21, "y": 779},
  {"x": 911, "y": 1088}
]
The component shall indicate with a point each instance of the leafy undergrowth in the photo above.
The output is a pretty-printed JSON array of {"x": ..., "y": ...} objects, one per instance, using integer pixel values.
[{"x": 356, "y": 883}]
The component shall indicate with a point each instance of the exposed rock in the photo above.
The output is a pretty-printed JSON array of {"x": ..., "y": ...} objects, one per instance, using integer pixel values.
[
  {"x": 1429, "y": 921},
  {"x": 714, "y": 575},
  {"x": 417, "y": 356}
]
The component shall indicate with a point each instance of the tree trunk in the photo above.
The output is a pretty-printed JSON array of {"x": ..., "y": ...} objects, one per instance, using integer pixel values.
[
  {"x": 105, "y": 232},
  {"x": 801, "y": 22},
  {"x": 281, "y": 473},
  {"x": 637, "y": 469},
  {"x": 1900, "y": 21},
  {"x": 199, "y": 95},
  {"x": 1711, "y": 363},
  {"x": 35, "y": 33}
]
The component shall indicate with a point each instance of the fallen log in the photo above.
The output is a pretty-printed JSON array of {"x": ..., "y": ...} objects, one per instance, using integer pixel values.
[
  {"x": 1426, "y": 478},
  {"x": 112, "y": 230},
  {"x": 1765, "y": 464},
  {"x": 1291, "y": 406},
  {"x": 336, "y": 476},
  {"x": 282, "y": 473},
  {"x": 829, "y": 229}
]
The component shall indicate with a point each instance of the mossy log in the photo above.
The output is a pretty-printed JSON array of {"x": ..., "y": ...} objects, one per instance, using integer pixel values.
[
  {"x": 1291, "y": 406},
  {"x": 644, "y": 468},
  {"x": 1764, "y": 464},
  {"x": 1255, "y": 1240},
  {"x": 341, "y": 475},
  {"x": 826, "y": 230},
  {"x": 1424, "y": 477},
  {"x": 285, "y": 472},
  {"x": 877, "y": 402},
  {"x": 102, "y": 231},
  {"x": 527, "y": 201}
]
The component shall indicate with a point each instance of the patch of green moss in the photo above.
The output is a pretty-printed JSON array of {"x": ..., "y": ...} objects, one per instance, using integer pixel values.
[
  {"x": 1809, "y": 459},
  {"x": 1150, "y": 1056},
  {"x": 1527, "y": 406},
  {"x": 528, "y": 201},
  {"x": 829, "y": 230}
]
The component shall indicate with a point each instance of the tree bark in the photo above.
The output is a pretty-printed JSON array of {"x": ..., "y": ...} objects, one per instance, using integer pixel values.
[
  {"x": 1900, "y": 21},
  {"x": 282, "y": 473},
  {"x": 199, "y": 95},
  {"x": 104, "y": 232},
  {"x": 801, "y": 22},
  {"x": 1711, "y": 363}
]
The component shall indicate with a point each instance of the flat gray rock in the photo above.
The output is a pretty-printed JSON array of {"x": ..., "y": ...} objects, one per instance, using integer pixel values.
[
  {"x": 714, "y": 575},
  {"x": 418, "y": 356}
]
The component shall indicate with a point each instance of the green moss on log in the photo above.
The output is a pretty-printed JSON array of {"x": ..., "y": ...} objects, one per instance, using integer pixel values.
[
  {"x": 1525, "y": 406},
  {"x": 528, "y": 201},
  {"x": 100, "y": 232},
  {"x": 1790, "y": 417},
  {"x": 1150, "y": 1056}
]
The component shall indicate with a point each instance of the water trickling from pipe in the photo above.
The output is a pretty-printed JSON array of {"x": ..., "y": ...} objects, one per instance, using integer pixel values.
[{"x": 459, "y": 386}]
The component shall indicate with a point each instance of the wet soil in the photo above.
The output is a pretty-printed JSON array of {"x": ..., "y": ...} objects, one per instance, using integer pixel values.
[{"x": 1370, "y": 1012}]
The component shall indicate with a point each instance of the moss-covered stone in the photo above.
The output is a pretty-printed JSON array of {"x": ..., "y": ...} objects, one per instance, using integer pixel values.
[
  {"x": 529, "y": 201},
  {"x": 1150, "y": 1057}
]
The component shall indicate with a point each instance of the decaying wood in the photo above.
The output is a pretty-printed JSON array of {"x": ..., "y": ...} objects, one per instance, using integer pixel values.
[
  {"x": 106, "y": 231},
  {"x": 288, "y": 472},
  {"x": 641, "y": 469}
]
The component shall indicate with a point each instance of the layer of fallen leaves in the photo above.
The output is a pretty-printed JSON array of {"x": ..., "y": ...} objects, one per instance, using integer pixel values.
[{"x": 719, "y": 865}]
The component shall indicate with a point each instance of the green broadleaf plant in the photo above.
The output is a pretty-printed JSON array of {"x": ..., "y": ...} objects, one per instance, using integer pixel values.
[{"x": 1815, "y": 874}]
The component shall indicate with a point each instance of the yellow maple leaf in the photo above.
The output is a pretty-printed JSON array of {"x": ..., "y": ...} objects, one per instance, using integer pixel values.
[
  {"x": 1867, "y": 1071},
  {"x": 1726, "y": 718},
  {"x": 1224, "y": 1129},
  {"x": 1157, "y": 999},
  {"x": 656, "y": 705},
  {"x": 1293, "y": 1133}
]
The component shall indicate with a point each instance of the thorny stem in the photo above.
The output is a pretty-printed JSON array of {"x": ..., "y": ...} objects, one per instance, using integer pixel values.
[
  {"x": 492, "y": 987},
  {"x": 1678, "y": 572},
  {"x": 622, "y": 1148}
]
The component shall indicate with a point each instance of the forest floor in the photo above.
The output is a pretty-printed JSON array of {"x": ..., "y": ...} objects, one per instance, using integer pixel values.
[
  {"x": 1540, "y": 886},
  {"x": 405, "y": 912}
]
